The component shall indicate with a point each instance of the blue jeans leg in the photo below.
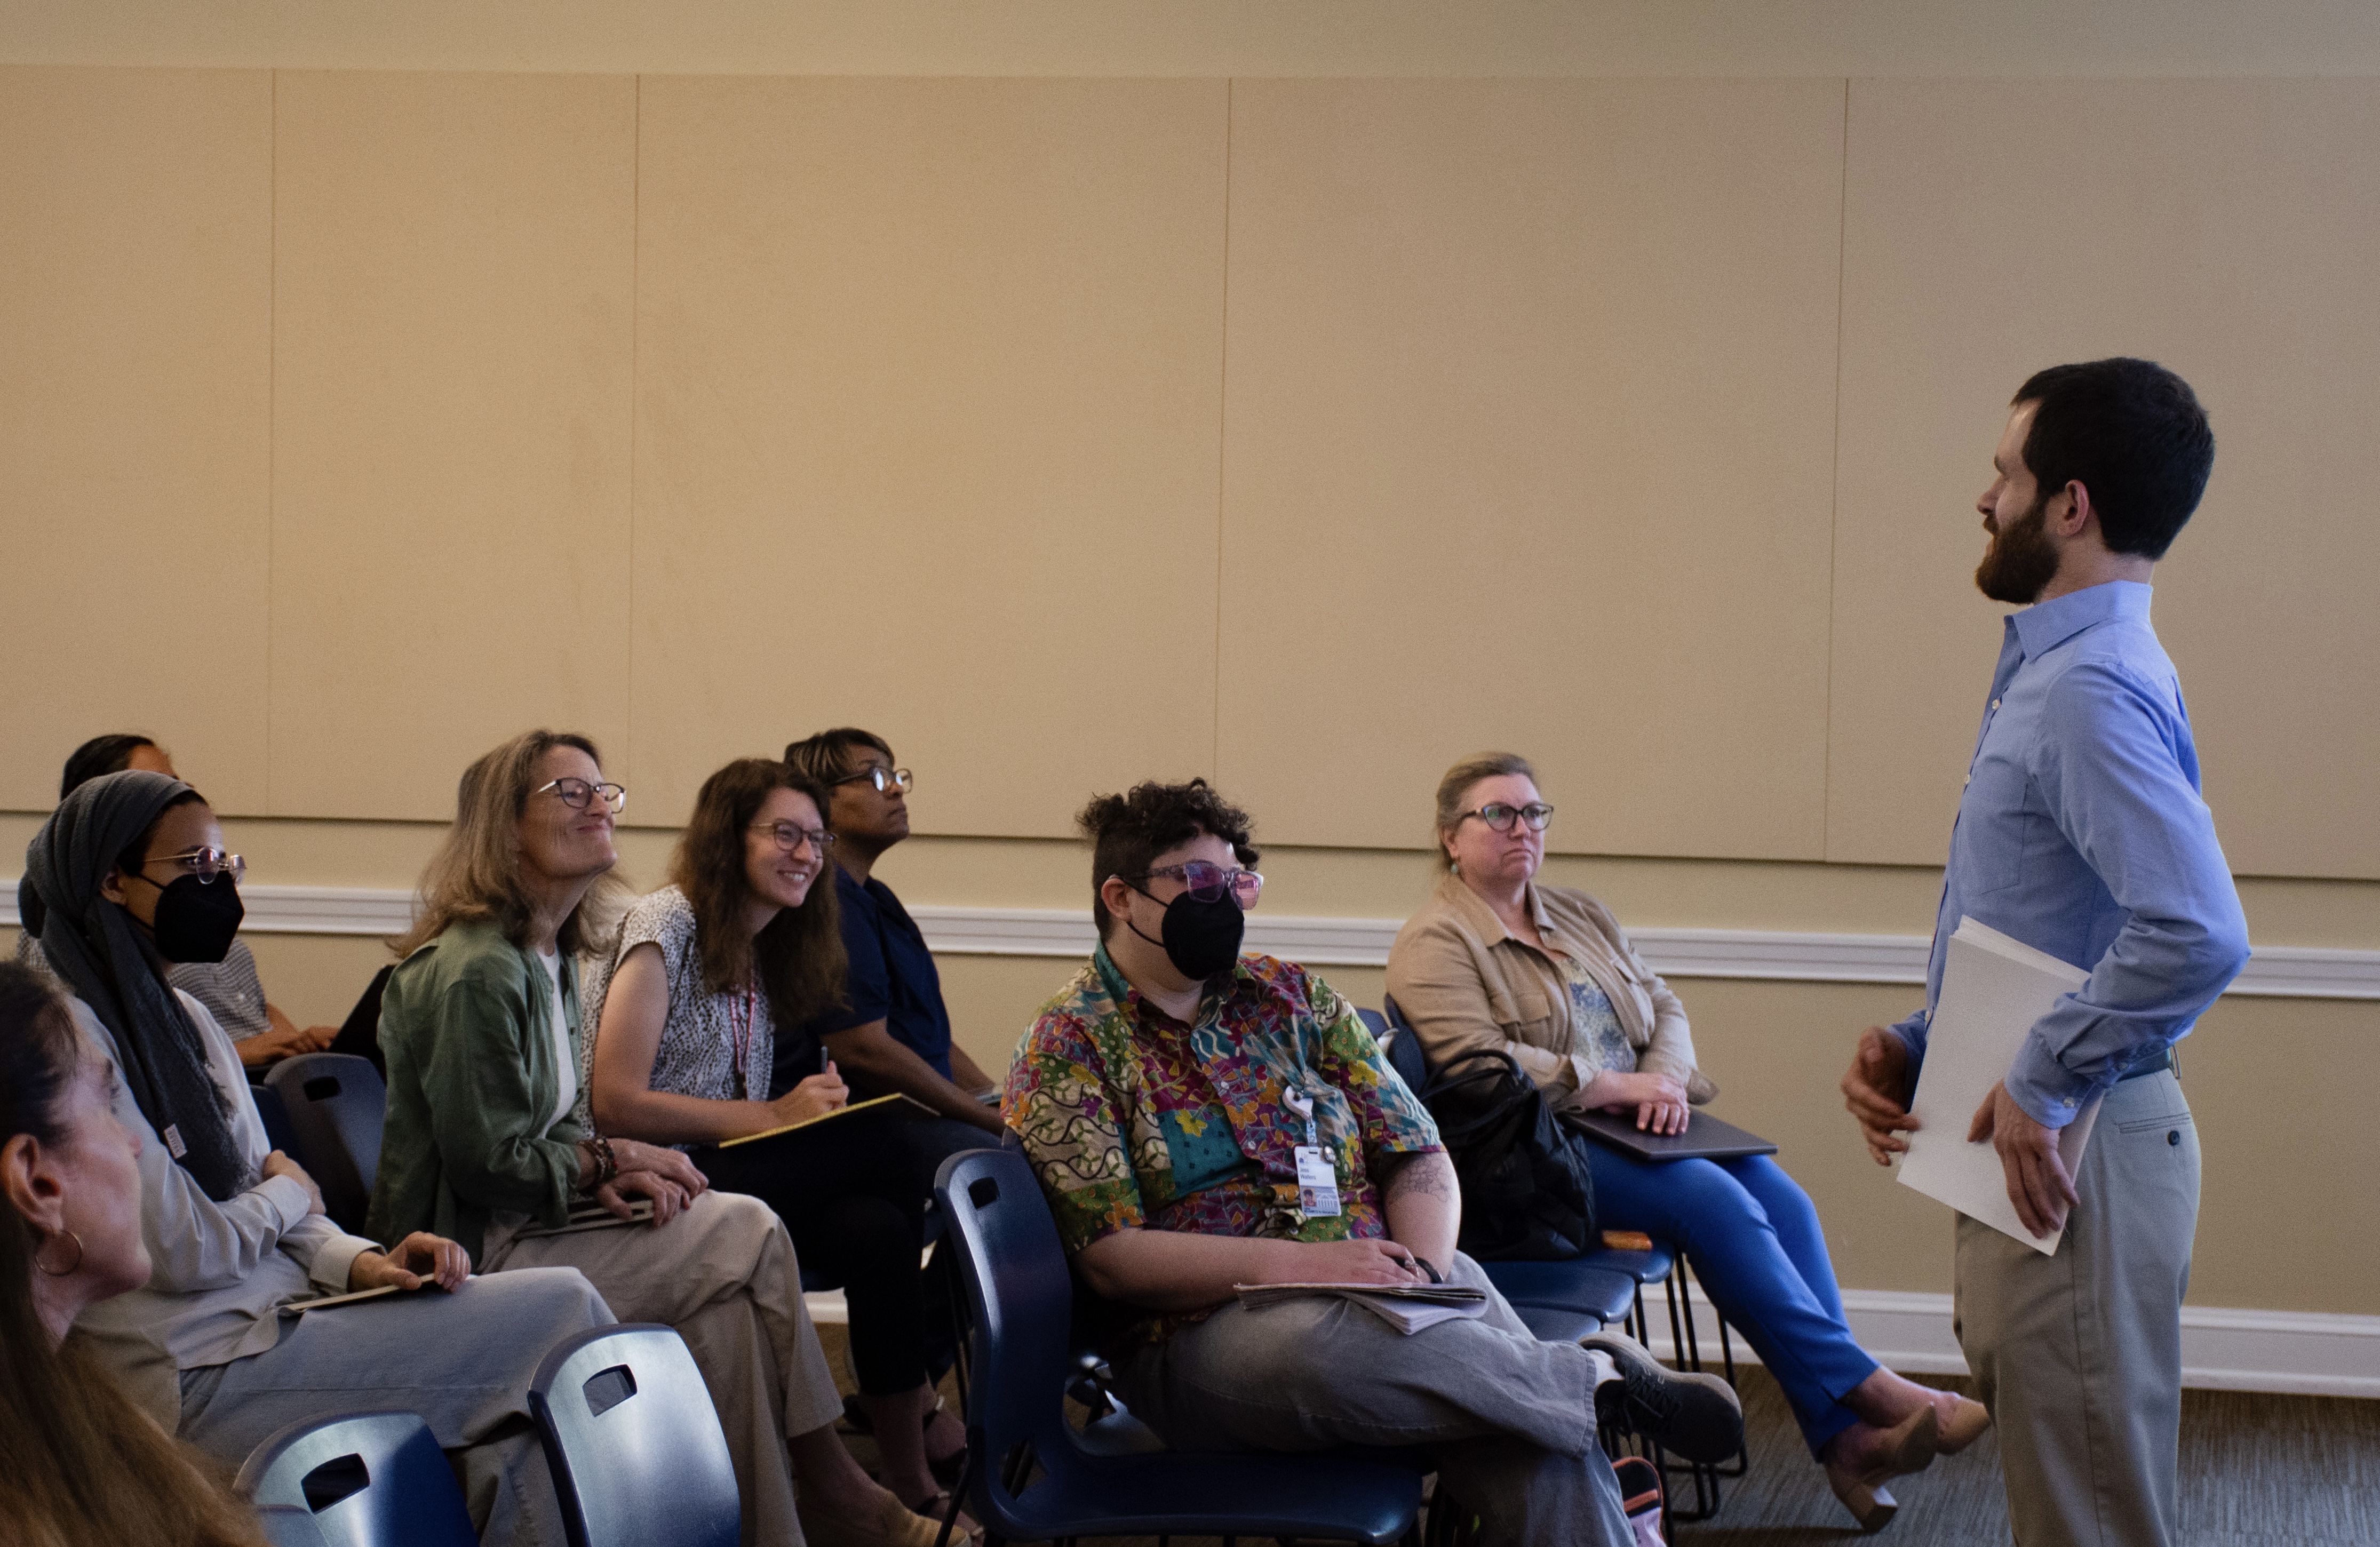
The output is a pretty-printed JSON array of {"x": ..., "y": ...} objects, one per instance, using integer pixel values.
[{"x": 1752, "y": 1236}]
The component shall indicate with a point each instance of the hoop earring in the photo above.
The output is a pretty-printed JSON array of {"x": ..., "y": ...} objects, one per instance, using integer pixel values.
[{"x": 65, "y": 1272}]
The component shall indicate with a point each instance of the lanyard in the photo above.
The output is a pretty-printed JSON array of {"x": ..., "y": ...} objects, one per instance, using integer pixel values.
[
  {"x": 1298, "y": 1101},
  {"x": 751, "y": 1000}
]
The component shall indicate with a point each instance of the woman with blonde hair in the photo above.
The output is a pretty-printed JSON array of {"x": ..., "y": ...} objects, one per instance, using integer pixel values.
[
  {"x": 1497, "y": 962},
  {"x": 714, "y": 979},
  {"x": 481, "y": 1027}
]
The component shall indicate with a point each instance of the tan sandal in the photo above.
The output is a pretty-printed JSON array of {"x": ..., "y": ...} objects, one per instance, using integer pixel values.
[{"x": 891, "y": 1524}]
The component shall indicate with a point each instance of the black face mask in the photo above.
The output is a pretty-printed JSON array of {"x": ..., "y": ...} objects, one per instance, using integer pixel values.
[
  {"x": 1200, "y": 938},
  {"x": 196, "y": 919}
]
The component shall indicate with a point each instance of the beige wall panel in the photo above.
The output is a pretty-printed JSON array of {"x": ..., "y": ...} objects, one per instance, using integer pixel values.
[
  {"x": 136, "y": 306},
  {"x": 455, "y": 265},
  {"x": 2226, "y": 228},
  {"x": 1529, "y": 439},
  {"x": 1470, "y": 38},
  {"x": 928, "y": 378}
]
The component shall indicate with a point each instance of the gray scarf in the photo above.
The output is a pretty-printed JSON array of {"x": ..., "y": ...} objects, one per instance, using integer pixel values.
[{"x": 95, "y": 948}]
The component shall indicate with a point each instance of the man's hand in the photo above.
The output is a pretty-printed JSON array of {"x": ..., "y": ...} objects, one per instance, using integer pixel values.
[
  {"x": 418, "y": 1257},
  {"x": 279, "y": 1165},
  {"x": 1349, "y": 1262},
  {"x": 662, "y": 1161},
  {"x": 1877, "y": 1092},
  {"x": 2037, "y": 1181}
]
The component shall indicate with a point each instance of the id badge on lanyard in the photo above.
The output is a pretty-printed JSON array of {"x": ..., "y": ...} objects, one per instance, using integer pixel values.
[{"x": 1318, "y": 1183}]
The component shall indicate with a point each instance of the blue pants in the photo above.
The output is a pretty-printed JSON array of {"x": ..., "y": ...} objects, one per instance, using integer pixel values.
[{"x": 1752, "y": 1236}]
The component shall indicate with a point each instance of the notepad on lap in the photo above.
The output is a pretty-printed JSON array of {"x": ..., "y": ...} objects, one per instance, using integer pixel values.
[
  {"x": 1408, "y": 1307},
  {"x": 1994, "y": 988},
  {"x": 896, "y": 1103}
]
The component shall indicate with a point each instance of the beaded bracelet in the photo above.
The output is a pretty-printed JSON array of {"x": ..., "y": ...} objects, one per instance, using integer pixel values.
[{"x": 607, "y": 1164}]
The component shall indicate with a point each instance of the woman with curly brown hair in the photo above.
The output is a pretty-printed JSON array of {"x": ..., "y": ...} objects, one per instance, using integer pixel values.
[{"x": 712, "y": 977}]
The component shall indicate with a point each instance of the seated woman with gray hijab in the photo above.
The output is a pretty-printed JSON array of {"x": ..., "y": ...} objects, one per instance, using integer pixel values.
[{"x": 135, "y": 875}]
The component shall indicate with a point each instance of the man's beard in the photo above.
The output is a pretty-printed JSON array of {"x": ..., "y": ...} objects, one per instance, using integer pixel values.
[{"x": 2022, "y": 560}]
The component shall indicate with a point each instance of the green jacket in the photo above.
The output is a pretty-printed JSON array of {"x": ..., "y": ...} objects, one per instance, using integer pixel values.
[{"x": 466, "y": 1025}]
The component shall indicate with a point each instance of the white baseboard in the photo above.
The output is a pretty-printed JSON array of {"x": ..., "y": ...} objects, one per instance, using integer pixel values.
[
  {"x": 1066, "y": 933},
  {"x": 2301, "y": 1353},
  {"x": 2305, "y": 1353}
]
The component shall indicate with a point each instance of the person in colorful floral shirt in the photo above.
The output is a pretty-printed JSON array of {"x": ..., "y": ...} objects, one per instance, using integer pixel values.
[{"x": 1164, "y": 1100}]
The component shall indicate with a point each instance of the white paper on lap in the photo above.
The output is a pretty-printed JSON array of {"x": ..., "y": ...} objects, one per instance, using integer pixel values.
[{"x": 1994, "y": 988}]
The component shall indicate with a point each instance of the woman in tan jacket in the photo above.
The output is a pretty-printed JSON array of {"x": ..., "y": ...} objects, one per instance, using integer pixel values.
[{"x": 1545, "y": 973}]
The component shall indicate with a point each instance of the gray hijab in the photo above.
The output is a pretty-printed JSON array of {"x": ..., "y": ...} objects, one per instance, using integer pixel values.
[{"x": 95, "y": 947}]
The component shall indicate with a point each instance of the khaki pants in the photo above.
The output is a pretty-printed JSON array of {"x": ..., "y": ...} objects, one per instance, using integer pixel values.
[
  {"x": 723, "y": 1274},
  {"x": 2079, "y": 1355}
]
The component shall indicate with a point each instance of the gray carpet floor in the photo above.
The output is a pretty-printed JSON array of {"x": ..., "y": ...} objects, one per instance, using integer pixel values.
[{"x": 2257, "y": 1471}]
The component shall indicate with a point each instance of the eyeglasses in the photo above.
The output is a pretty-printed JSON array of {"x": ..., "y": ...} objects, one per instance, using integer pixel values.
[
  {"x": 576, "y": 792},
  {"x": 1499, "y": 816},
  {"x": 205, "y": 863},
  {"x": 1206, "y": 882},
  {"x": 791, "y": 836},
  {"x": 885, "y": 779}
]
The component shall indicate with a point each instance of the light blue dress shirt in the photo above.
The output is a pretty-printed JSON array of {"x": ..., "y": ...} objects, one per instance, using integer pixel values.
[{"x": 2082, "y": 833}]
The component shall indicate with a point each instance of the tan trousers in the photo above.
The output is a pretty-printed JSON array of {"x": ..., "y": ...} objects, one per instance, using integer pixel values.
[
  {"x": 2079, "y": 1355},
  {"x": 723, "y": 1274}
]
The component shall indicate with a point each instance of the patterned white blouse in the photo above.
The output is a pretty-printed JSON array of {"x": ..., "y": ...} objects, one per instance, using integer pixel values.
[{"x": 717, "y": 1047}]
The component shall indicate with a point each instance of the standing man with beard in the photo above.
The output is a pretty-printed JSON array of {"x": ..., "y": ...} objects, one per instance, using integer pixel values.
[{"x": 2082, "y": 833}]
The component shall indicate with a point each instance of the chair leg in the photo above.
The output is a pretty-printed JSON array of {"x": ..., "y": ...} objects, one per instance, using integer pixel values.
[{"x": 966, "y": 1477}]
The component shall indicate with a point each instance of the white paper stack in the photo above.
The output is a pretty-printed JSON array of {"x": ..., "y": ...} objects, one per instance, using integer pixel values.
[
  {"x": 1407, "y": 1307},
  {"x": 1994, "y": 988}
]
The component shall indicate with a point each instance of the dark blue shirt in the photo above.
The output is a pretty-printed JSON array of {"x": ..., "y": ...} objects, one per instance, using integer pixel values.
[{"x": 892, "y": 976}]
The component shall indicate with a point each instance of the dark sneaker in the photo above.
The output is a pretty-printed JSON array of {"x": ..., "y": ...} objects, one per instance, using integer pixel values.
[{"x": 1695, "y": 1417}]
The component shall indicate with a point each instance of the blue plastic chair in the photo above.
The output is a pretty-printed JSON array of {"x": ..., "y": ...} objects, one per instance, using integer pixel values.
[
  {"x": 361, "y": 1480},
  {"x": 278, "y": 1134},
  {"x": 1021, "y": 1300},
  {"x": 286, "y": 1526},
  {"x": 633, "y": 1441},
  {"x": 335, "y": 1103}
]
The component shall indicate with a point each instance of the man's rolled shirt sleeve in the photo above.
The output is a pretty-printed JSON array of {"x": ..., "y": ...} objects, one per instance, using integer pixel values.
[{"x": 2110, "y": 768}]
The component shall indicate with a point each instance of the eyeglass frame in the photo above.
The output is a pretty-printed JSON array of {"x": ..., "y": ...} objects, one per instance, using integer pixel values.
[
  {"x": 1519, "y": 814},
  {"x": 885, "y": 779},
  {"x": 617, "y": 801},
  {"x": 819, "y": 838},
  {"x": 190, "y": 858},
  {"x": 1224, "y": 883}
]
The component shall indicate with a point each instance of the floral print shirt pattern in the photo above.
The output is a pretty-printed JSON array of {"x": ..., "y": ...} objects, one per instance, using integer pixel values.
[{"x": 1133, "y": 1120}]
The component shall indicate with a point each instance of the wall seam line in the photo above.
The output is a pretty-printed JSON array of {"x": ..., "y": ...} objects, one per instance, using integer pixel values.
[
  {"x": 272, "y": 397},
  {"x": 1222, "y": 406},
  {"x": 636, "y": 316},
  {"x": 1835, "y": 481}
]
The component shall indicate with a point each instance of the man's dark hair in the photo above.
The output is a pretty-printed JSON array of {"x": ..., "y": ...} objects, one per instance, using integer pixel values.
[
  {"x": 99, "y": 756},
  {"x": 824, "y": 758},
  {"x": 2130, "y": 431},
  {"x": 1127, "y": 832}
]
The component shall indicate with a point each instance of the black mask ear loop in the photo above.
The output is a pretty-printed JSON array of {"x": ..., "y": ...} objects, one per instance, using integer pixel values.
[{"x": 1136, "y": 928}]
